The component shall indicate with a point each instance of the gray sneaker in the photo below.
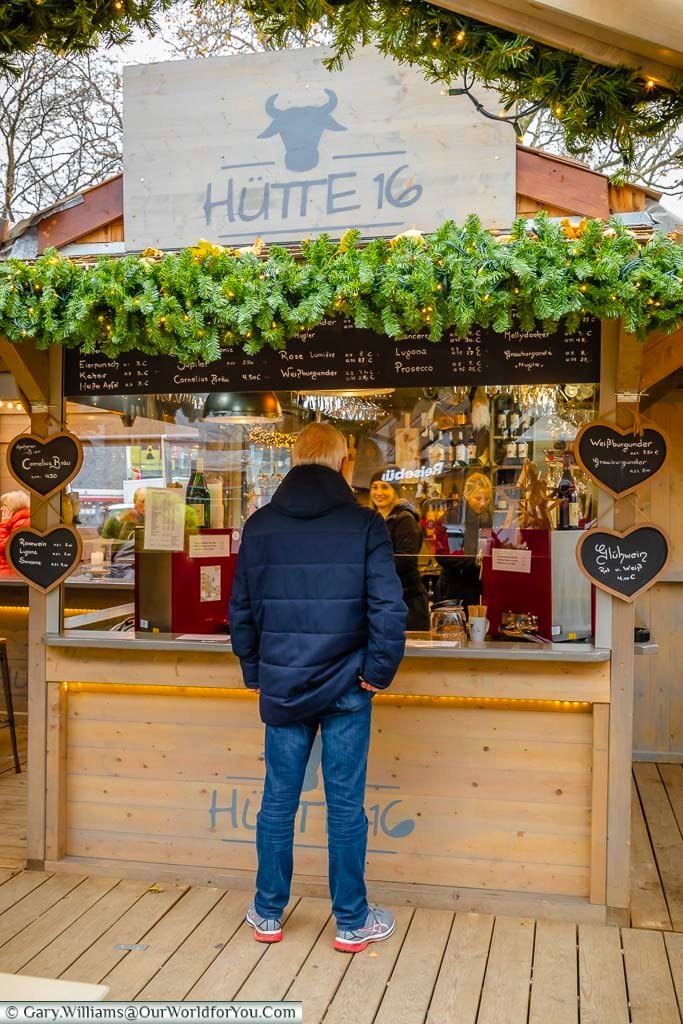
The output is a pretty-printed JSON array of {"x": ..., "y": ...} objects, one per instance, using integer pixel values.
[
  {"x": 379, "y": 924},
  {"x": 266, "y": 929}
]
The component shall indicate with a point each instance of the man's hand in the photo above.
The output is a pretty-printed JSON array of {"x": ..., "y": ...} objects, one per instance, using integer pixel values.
[{"x": 368, "y": 686}]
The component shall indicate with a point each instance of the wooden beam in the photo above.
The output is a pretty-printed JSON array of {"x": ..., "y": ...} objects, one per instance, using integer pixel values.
[
  {"x": 29, "y": 366},
  {"x": 549, "y": 22},
  {"x": 662, "y": 356},
  {"x": 628, "y": 370}
]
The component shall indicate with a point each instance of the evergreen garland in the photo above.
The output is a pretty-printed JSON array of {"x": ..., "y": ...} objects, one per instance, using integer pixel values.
[
  {"x": 74, "y": 25},
  {"x": 193, "y": 303},
  {"x": 593, "y": 102}
]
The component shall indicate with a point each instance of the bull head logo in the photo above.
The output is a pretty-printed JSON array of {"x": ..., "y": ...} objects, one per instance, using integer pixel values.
[{"x": 301, "y": 129}]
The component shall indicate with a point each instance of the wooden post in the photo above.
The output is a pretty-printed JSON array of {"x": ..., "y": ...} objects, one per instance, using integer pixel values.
[
  {"x": 628, "y": 370},
  {"x": 44, "y": 616}
]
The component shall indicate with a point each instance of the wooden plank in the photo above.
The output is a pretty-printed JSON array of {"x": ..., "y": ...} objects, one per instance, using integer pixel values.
[
  {"x": 586, "y": 34},
  {"x": 554, "y": 992},
  {"x": 672, "y": 777},
  {"x": 648, "y": 905},
  {"x": 479, "y": 870},
  {"x": 29, "y": 367},
  {"x": 666, "y": 837},
  {"x": 235, "y": 962},
  {"x": 364, "y": 984},
  {"x": 505, "y": 995},
  {"x": 524, "y": 680},
  {"x": 599, "y": 803},
  {"x": 274, "y": 974},
  {"x": 103, "y": 955},
  {"x": 138, "y": 968},
  {"x": 470, "y": 900},
  {"x": 629, "y": 358},
  {"x": 135, "y": 708},
  {"x": 458, "y": 986},
  {"x": 16, "y": 953},
  {"x": 43, "y": 617},
  {"x": 321, "y": 975},
  {"x": 19, "y": 886},
  {"x": 674, "y": 948},
  {"x": 411, "y": 985},
  {"x": 575, "y": 189},
  {"x": 55, "y": 765},
  {"x": 602, "y": 986},
  {"x": 662, "y": 356},
  {"x": 650, "y": 987},
  {"x": 61, "y": 953},
  {"x": 198, "y": 951},
  {"x": 22, "y": 914}
]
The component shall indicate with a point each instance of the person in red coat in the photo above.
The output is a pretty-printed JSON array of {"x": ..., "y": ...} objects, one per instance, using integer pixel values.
[{"x": 15, "y": 512}]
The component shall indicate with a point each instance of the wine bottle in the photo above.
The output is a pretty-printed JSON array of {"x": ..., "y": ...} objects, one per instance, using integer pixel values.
[
  {"x": 461, "y": 453},
  {"x": 568, "y": 512},
  {"x": 197, "y": 495}
]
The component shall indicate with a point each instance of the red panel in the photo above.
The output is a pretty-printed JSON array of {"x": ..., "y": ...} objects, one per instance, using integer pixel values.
[
  {"x": 519, "y": 592},
  {"x": 101, "y": 205}
]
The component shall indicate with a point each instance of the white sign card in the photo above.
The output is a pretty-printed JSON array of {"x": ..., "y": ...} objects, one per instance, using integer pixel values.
[
  {"x": 209, "y": 583},
  {"x": 511, "y": 560},
  {"x": 164, "y": 519},
  {"x": 209, "y": 546},
  {"x": 273, "y": 145}
]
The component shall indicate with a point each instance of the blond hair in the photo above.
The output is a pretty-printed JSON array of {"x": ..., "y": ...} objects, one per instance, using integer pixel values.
[
  {"x": 14, "y": 500},
  {"x": 478, "y": 483},
  {"x": 320, "y": 444}
]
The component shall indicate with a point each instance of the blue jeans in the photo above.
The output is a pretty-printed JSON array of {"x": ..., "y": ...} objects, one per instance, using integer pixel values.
[{"x": 345, "y": 742}]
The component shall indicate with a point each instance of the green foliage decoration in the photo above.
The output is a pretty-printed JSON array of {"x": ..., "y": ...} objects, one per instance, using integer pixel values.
[
  {"x": 193, "y": 303},
  {"x": 593, "y": 102}
]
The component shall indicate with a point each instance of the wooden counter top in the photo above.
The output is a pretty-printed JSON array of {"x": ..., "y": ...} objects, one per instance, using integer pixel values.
[{"x": 488, "y": 651}]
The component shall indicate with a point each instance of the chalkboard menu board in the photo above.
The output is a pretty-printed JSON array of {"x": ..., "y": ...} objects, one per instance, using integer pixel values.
[
  {"x": 44, "y": 559},
  {"x": 338, "y": 356},
  {"x": 624, "y": 564},
  {"x": 620, "y": 460},
  {"x": 44, "y": 466}
]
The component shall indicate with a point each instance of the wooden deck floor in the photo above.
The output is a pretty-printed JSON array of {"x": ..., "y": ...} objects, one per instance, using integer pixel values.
[{"x": 438, "y": 968}]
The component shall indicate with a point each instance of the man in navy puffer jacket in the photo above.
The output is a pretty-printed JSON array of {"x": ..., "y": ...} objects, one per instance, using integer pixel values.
[{"x": 318, "y": 621}]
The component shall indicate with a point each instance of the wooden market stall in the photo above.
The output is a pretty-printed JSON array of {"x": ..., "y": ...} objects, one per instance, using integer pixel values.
[{"x": 499, "y": 777}]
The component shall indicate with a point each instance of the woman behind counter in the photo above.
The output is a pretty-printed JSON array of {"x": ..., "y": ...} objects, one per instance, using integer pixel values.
[{"x": 406, "y": 537}]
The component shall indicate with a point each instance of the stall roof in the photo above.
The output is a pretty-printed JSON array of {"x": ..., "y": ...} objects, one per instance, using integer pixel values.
[{"x": 90, "y": 222}]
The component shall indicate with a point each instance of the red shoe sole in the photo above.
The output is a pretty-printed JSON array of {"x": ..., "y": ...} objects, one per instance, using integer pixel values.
[
  {"x": 261, "y": 937},
  {"x": 356, "y": 947}
]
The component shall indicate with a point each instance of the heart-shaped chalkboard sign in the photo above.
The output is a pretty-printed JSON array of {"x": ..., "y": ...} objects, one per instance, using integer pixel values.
[
  {"x": 620, "y": 460},
  {"x": 624, "y": 564},
  {"x": 44, "y": 466},
  {"x": 44, "y": 559}
]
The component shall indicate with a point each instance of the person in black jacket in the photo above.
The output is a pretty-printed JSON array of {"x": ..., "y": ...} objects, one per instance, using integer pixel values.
[
  {"x": 406, "y": 538},
  {"x": 318, "y": 622}
]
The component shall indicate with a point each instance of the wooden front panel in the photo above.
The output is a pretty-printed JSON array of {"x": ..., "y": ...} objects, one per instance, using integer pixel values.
[
  {"x": 487, "y": 797},
  {"x": 658, "y": 708}
]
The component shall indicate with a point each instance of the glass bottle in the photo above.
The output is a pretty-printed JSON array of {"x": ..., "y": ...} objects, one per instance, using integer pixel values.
[
  {"x": 461, "y": 453},
  {"x": 568, "y": 511},
  {"x": 197, "y": 495}
]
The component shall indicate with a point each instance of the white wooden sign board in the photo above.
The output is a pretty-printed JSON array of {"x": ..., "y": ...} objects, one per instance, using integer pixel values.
[{"x": 273, "y": 145}]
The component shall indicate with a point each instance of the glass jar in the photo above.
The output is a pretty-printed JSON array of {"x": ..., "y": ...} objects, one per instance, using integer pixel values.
[{"x": 447, "y": 622}]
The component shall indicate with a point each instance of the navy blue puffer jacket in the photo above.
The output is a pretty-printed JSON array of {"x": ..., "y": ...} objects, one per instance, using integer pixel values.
[{"x": 316, "y": 600}]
